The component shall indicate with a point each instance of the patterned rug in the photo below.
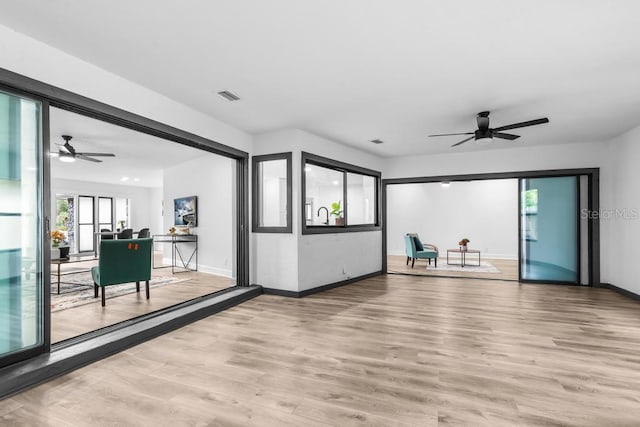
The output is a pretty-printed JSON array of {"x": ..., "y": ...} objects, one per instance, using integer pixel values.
[
  {"x": 472, "y": 267},
  {"x": 77, "y": 289}
]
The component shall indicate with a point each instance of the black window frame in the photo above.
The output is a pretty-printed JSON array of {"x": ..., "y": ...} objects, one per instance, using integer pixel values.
[
  {"x": 325, "y": 162},
  {"x": 255, "y": 193}
]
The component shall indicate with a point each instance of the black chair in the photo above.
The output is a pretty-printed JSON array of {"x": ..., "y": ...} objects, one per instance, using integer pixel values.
[
  {"x": 144, "y": 233},
  {"x": 127, "y": 233},
  {"x": 106, "y": 236}
]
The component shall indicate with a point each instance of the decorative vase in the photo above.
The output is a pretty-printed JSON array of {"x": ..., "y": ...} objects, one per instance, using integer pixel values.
[{"x": 339, "y": 220}]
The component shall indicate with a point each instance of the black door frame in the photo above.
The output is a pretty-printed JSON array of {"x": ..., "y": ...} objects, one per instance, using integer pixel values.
[
  {"x": 593, "y": 203},
  {"x": 52, "y": 96}
]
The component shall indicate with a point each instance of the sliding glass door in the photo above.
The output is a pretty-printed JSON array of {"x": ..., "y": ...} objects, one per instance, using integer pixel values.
[
  {"x": 549, "y": 229},
  {"x": 21, "y": 264}
]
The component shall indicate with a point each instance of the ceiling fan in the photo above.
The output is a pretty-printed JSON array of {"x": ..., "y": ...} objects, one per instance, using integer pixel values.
[
  {"x": 69, "y": 154},
  {"x": 486, "y": 134}
]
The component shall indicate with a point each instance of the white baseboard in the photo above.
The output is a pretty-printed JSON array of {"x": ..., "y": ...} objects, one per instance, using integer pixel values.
[{"x": 224, "y": 272}]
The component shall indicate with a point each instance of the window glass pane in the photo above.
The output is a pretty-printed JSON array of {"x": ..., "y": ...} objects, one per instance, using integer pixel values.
[
  {"x": 20, "y": 225},
  {"x": 85, "y": 211},
  {"x": 324, "y": 194},
  {"x": 86, "y": 237},
  {"x": 272, "y": 193},
  {"x": 104, "y": 210},
  {"x": 549, "y": 234},
  {"x": 361, "y": 199},
  {"x": 122, "y": 213}
]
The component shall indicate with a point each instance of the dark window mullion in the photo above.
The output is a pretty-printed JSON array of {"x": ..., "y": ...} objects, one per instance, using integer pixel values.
[{"x": 344, "y": 197}]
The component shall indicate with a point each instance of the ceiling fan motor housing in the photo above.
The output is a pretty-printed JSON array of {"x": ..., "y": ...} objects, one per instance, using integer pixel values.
[{"x": 483, "y": 134}]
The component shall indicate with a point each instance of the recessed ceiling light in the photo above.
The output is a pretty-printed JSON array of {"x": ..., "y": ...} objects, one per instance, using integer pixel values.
[
  {"x": 229, "y": 96},
  {"x": 124, "y": 179},
  {"x": 136, "y": 179},
  {"x": 377, "y": 141}
]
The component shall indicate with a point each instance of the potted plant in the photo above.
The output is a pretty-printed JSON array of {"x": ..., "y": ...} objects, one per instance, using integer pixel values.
[
  {"x": 336, "y": 211},
  {"x": 463, "y": 244},
  {"x": 58, "y": 251},
  {"x": 57, "y": 237}
]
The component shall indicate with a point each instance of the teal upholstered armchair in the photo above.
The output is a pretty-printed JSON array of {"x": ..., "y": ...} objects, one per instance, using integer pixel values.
[
  {"x": 417, "y": 250},
  {"x": 123, "y": 261}
]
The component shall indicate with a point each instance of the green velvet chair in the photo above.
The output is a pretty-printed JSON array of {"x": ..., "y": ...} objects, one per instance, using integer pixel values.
[
  {"x": 415, "y": 249},
  {"x": 123, "y": 261}
]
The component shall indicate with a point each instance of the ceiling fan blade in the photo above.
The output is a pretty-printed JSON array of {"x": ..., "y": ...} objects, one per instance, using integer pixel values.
[
  {"x": 83, "y": 157},
  {"x": 69, "y": 148},
  {"x": 508, "y": 136},
  {"x": 97, "y": 154},
  {"x": 522, "y": 124},
  {"x": 463, "y": 141},
  {"x": 451, "y": 134}
]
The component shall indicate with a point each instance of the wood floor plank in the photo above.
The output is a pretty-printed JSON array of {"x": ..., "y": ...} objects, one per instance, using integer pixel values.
[
  {"x": 390, "y": 350},
  {"x": 65, "y": 323}
]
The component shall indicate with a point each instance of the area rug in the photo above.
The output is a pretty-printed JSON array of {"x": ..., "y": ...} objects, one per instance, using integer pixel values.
[
  {"x": 485, "y": 267},
  {"x": 77, "y": 289}
]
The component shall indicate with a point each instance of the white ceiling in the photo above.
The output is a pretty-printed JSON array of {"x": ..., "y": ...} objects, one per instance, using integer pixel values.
[
  {"x": 139, "y": 157},
  {"x": 362, "y": 69}
]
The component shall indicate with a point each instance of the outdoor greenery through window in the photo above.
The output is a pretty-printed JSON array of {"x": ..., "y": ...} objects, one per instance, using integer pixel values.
[{"x": 338, "y": 196}]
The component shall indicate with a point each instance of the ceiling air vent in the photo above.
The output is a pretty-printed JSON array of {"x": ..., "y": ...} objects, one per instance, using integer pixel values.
[
  {"x": 228, "y": 95},
  {"x": 377, "y": 141}
]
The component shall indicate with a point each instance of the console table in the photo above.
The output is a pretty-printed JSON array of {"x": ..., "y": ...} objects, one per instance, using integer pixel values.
[
  {"x": 178, "y": 241},
  {"x": 64, "y": 261},
  {"x": 463, "y": 256}
]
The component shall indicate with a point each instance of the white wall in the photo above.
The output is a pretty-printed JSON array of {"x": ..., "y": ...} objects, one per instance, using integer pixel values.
[
  {"x": 24, "y": 55},
  {"x": 140, "y": 211},
  {"x": 156, "y": 211},
  {"x": 561, "y": 156},
  {"x": 294, "y": 262},
  {"x": 212, "y": 179},
  {"x": 620, "y": 219},
  {"x": 485, "y": 212},
  {"x": 274, "y": 257}
]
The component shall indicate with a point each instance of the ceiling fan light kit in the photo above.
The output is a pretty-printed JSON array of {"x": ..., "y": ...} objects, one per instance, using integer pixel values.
[
  {"x": 66, "y": 158},
  {"x": 484, "y": 134}
]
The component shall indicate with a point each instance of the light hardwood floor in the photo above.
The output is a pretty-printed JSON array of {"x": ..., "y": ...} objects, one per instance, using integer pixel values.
[
  {"x": 74, "y": 321},
  {"x": 388, "y": 351},
  {"x": 398, "y": 264}
]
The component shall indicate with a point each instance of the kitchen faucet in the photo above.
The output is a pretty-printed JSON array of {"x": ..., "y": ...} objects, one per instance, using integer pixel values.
[{"x": 327, "y": 211}]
